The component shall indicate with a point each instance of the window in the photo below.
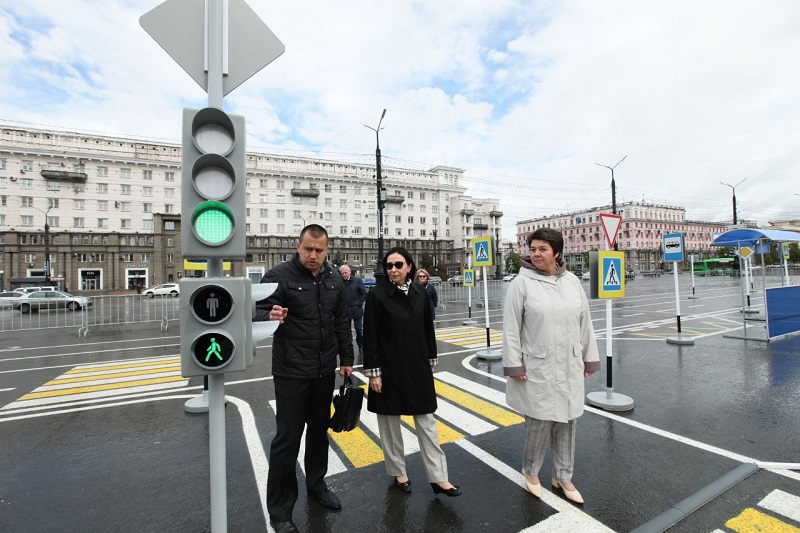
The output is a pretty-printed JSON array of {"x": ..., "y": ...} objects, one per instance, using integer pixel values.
[
  {"x": 281, "y": 199},
  {"x": 263, "y": 213},
  {"x": 125, "y": 223},
  {"x": 170, "y": 242},
  {"x": 30, "y": 258},
  {"x": 410, "y": 220},
  {"x": 78, "y": 222},
  {"x": 2, "y": 221},
  {"x": 263, "y": 198},
  {"x": 102, "y": 188},
  {"x": 328, "y": 202},
  {"x": 281, "y": 228},
  {"x": 147, "y": 175},
  {"x": 281, "y": 213},
  {"x": 52, "y": 221},
  {"x": 102, "y": 171},
  {"x": 3, "y": 200},
  {"x": 170, "y": 258},
  {"x": 125, "y": 189},
  {"x": 147, "y": 207},
  {"x": 26, "y": 183},
  {"x": 53, "y": 186},
  {"x": 169, "y": 225},
  {"x": 169, "y": 208},
  {"x": 102, "y": 223},
  {"x": 27, "y": 164},
  {"x": 343, "y": 189},
  {"x": 125, "y": 172},
  {"x": 102, "y": 205},
  {"x": 343, "y": 203},
  {"x": 127, "y": 257},
  {"x": 263, "y": 228},
  {"x": 169, "y": 176},
  {"x": 280, "y": 184},
  {"x": 125, "y": 206},
  {"x": 147, "y": 191},
  {"x": 145, "y": 257},
  {"x": 296, "y": 185},
  {"x": 262, "y": 258},
  {"x": 3, "y": 182},
  {"x": 422, "y": 196},
  {"x": 27, "y": 201},
  {"x": 328, "y": 188},
  {"x": 169, "y": 192},
  {"x": 148, "y": 224},
  {"x": 78, "y": 204},
  {"x": 78, "y": 187},
  {"x": 343, "y": 230},
  {"x": 410, "y": 232},
  {"x": 2, "y": 163}
]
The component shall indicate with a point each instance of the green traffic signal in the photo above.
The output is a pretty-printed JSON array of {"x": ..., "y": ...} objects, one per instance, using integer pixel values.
[{"x": 213, "y": 223}]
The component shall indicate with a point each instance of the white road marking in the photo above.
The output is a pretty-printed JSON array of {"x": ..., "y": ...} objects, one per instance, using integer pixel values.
[{"x": 782, "y": 503}]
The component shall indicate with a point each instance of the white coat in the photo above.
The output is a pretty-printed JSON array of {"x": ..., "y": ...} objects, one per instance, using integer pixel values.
[{"x": 548, "y": 336}]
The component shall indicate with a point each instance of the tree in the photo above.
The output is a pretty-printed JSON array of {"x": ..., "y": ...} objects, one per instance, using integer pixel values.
[
  {"x": 426, "y": 261},
  {"x": 513, "y": 263}
]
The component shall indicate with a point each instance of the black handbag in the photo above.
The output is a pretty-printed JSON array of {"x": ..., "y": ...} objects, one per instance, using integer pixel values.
[{"x": 347, "y": 407}]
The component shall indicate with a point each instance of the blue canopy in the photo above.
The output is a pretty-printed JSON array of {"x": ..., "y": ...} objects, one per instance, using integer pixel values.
[{"x": 750, "y": 236}]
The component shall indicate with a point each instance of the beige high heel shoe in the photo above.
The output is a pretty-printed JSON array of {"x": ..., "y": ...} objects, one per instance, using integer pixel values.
[
  {"x": 571, "y": 495},
  {"x": 536, "y": 489}
]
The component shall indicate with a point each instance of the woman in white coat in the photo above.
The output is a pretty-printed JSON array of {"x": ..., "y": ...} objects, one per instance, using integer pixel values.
[{"x": 549, "y": 348}]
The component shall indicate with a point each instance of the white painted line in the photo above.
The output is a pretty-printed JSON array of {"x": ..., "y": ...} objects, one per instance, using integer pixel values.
[
  {"x": 782, "y": 503},
  {"x": 483, "y": 391},
  {"x": 258, "y": 457},
  {"x": 370, "y": 420},
  {"x": 6, "y": 390},
  {"x": 462, "y": 419},
  {"x": 69, "y": 398},
  {"x": 581, "y": 520}
]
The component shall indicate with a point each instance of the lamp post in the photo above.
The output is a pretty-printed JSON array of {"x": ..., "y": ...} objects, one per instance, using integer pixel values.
[
  {"x": 733, "y": 188},
  {"x": 435, "y": 253},
  {"x": 613, "y": 189},
  {"x": 379, "y": 274},
  {"x": 46, "y": 244}
]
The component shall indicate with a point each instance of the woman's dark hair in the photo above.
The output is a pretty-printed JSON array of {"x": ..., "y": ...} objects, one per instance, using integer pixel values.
[
  {"x": 550, "y": 236},
  {"x": 407, "y": 256}
]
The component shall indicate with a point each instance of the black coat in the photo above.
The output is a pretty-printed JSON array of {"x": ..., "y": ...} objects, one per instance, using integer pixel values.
[
  {"x": 316, "y": 327},
  {"x": 400, "y": 340},
  {"x": 355, "y": 294}
]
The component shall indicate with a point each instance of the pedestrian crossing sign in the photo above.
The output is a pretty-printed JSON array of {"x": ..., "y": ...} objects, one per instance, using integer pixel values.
[
  {"x": 611, "y": 281},
  {"x": 482, "y": 251},
  {"x": 469, "y": 278}
]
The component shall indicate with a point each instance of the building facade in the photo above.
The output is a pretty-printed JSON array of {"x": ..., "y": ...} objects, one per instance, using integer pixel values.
[
  {"x": 107, "y": 211},
  {"x": 640, "y": 234}
]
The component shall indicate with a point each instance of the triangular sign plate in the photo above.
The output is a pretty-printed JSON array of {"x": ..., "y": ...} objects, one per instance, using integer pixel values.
[{"x": 611, "y": 224}]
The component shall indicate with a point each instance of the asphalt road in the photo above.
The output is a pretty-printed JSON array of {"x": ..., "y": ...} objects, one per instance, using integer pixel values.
[{"x": 95, "y": 436}]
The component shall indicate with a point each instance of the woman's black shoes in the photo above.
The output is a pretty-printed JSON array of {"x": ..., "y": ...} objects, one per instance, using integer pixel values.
[
  {"x": 451, "y": 492},
  {"x": 405, "y": 486}
]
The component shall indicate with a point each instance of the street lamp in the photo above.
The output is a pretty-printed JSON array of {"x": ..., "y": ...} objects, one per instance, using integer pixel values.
[
  {"x": 733, "y": 188},
  {"x": 46, "y": 244},
  {"x": 613, "y": 189},
  {"x": 381, "y": 197}
]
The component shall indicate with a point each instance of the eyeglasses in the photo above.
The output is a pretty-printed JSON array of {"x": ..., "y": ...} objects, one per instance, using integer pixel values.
[
  {"x": 422, "y": 276},
  {"x": 397, "y": 264}
]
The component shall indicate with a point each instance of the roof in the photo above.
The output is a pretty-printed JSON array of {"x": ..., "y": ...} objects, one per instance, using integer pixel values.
[{"x": 749, "y": 236}]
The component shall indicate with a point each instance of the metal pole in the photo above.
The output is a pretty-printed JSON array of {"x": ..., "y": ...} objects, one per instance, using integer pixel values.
[
  {"x": 379, "y": 273},
  {"x": 613, "y": 191},
  {"x": 46, "y": 250}
]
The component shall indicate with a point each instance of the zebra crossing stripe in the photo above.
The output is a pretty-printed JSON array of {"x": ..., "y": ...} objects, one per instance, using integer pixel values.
[
  {"x": 104, "y": 387},
  {"x": 482, "y": 407},
  {"x": 487, "y": 393},
  {"x": 357, "y": 446},
  {"x": 446, "y": 433},
  {"x": 783, "y": 503},
  {"x": 140, "y": 363},
  {"x": 153, "y": 372}
]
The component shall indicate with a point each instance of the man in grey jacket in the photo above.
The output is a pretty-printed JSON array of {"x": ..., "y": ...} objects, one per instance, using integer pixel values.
[{"x": 310, "y": 304}]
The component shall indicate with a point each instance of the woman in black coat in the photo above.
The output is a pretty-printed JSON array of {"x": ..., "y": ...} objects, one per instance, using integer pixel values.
[{"x": 399, "y": 358}]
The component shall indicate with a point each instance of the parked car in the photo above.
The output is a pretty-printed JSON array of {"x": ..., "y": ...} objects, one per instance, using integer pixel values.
[
  {"x": 509, "y": 277},
  {"x": 7, "y": 299},
  {"x": 165, "y": 289},
  {"x": 587, "y": 275},
  {"x": 436, "y": 280},
  {"x": 630, "y": 275},
  {"x": 456, "y": 280},
  {"x": 37, "y": 301}
]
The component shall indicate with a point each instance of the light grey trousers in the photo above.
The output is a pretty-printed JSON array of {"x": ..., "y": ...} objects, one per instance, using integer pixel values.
[
  {"x": 560, "y": 436},
  {"x": 392, "y": 444}
]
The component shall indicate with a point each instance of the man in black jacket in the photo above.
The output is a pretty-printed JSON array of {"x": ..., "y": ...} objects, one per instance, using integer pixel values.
[
  {"x": 315, "y": 328},
  {"x": 355, "y": 294}
]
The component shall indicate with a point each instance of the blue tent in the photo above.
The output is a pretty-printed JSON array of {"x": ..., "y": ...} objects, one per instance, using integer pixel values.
[{"x": 750, "y": 236}]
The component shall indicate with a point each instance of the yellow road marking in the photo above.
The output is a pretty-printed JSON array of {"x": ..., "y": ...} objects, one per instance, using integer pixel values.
[
  {"x": 81, "y": 370},
  {"x": 752, "y": 521},
  {"x": 446, "y": 433},
  {"x": 94, "y": 388},
  {"x": 357, "y": 446},
  {"x": 114, "y": 375},
  {"x": 488, "y": 410}
]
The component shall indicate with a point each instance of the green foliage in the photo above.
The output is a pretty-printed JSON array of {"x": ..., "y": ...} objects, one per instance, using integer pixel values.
[{"x": 513, "y": 263}]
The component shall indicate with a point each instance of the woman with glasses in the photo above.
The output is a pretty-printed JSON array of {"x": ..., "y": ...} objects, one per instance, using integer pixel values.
[
  {"x": 548, "y": 349},
  {"x": 433, "y": 297},
  {"x": 399, "y": 359}
]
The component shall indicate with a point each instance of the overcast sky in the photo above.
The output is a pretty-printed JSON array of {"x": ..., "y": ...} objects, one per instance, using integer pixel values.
[{"x": 525, "y": 96}]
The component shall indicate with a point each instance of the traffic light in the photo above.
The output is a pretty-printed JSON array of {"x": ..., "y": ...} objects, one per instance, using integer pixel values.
[
  {"x": 218, "y": 334},
  {"x": 213, "y": 185}
]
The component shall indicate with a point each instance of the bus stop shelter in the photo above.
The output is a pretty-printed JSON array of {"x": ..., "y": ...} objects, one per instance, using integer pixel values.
[{"x": 785, "y": 300}]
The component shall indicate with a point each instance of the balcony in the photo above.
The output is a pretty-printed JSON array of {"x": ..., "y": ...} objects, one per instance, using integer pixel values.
[
  {"x": 395, "y": 199},
  {"x": 496, "y": 214},
  {"x": 64, "y": 175},
  {"x": 467, "y": 212},
  {"x": 480, "y": 226},
  {"x": 305, "y": 192}
]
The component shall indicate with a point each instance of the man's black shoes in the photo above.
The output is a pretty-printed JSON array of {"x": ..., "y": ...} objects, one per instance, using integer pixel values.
[
  {"x": 327, "y": 499},
  {"x": 285, "y": 527}
]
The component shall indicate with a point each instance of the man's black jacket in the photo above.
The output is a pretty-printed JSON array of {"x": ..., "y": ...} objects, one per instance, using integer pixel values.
[{"x": 316, "y": 327}]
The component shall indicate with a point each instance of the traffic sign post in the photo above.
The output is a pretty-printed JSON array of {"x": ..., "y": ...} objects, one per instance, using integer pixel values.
[
  {"x": 674, "y": 252},
  {"x": 482, "y": 250},
  {"x": 469, "y": 273}
]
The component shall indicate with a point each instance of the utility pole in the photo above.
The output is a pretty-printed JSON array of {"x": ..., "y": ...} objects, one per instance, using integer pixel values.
[
  {"x": 613, "y": 190},
  {"x": 379, "y": 274},
  {"x": 733, "y": 188}
]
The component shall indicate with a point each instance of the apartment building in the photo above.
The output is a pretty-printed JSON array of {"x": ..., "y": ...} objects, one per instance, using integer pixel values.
[
  {"x": 106, "y": 210},
  {"x": 640, "y": 235}
]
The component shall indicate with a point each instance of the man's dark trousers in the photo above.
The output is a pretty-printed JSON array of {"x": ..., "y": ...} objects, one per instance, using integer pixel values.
[{"x": 298, "y": 402}]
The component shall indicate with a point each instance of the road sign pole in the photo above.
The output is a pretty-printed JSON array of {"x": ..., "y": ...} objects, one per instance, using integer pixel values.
[
  {"x": 609, "y": 400},
  {"x": 469, "y": 321},
  {"x": 488, "y": 353}
]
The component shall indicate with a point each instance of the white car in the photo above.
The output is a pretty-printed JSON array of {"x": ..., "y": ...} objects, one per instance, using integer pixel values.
[
  {"x": 7, "y": 299},
  {"x": 586, "y": 276},
  {"x": 165, "y": 289},
  {"x": 509, "y": 277}
]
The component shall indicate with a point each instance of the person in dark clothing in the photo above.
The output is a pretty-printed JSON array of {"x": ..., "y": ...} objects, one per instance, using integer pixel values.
[
  {"x": 423, "y": 278},
  {"x": 309, "y": 302},
  {"x": 355, "y": 294},
  {"x": 399, "y": 358}
]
